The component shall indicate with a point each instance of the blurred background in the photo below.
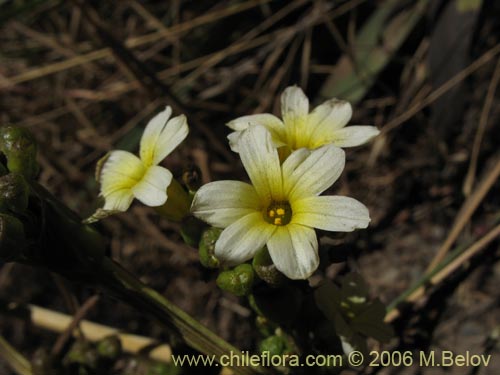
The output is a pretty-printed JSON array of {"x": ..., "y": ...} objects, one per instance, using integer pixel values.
[{"x": 85, "y": 77}]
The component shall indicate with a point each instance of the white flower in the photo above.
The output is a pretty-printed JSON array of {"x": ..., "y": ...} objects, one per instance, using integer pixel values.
[
  {"x": 281, "y": 207},
  {"x": 299, "y": 128},
  {"x": 124, "y": 176}
]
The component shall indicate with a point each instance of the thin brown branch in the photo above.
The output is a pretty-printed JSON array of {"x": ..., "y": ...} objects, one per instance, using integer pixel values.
[
  {"x": 483, "y": 121},
  {"x": 443, "y": 89}
]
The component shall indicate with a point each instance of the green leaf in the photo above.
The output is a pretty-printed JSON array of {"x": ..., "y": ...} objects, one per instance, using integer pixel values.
[
  {"x": 328, "y": 298},
  {"x": 371, "y": 322}
]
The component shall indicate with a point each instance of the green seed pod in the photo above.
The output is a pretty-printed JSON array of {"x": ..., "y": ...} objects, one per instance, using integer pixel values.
[
  {"x": 191, "y": 230},
  {"x": 109, "y": 347},
  {"x": 19, "y": 147},
  {"x": 237, "y": 281},
  {"x": 275, "y": 345},
  {"x": 207, "y": 247},
  {"x": 266, "y": 270},
  {"x": 14, "y": 193},
  {"x": 12, "y": 238}
]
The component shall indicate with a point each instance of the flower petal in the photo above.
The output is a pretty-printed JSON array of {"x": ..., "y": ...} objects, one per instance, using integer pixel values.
[
  {"x": 120, "y": 171},
  {"x": 351, "y": 136},
  {"x": 308, "y": 175},
  {"x": 221, "y": 203},
  {"x": 294, "y": 110},
  {"x": 152, "y": 188},
  {"x": 294, "y": 104},
  {"x": 261, "y": 161},
  {"x": 242, "y": 239},
  {"x": 174, "y": 132},
  {"x": 234, "y": 139},
  {"x": 292, "y": 162},
  {"x": 270, "y": 122},
  {"x": 294, "y": 251},
  {"x": 118, "y": 200},
  {"x": 151, "y": 134},
  {"x": 324, "y": 119},
  {"x": 333, "y": 213}
]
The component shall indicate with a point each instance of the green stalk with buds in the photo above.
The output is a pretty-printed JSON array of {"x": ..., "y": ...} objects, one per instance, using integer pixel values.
[{"x": 36, "y": 229}]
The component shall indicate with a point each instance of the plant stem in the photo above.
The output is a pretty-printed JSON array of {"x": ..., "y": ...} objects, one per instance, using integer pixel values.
[
  {"x": 15, "y": 359},
  {"x": 129, "y": 289}
]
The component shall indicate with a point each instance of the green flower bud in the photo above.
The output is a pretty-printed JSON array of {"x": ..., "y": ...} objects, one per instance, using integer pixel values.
[
  {"x": 19, "y": 147},
  {"x": 82, "y": 353},
  {"x": 12, "y": 238},
  {"x": 109, "y": 347},
  {"x": 191, "y": 177},
  {"x": 191, "y": 230},
  {"x": 207, "y": 247},
  {"x": 265, "y": 268},
  {"x": 237, "y": 281},
  {"x": 14, "y": 193},
  {"x": 275, "y": 345}
]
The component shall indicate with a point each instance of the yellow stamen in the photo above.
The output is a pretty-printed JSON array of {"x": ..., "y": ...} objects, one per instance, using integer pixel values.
[{"x": 278, "y": 213}]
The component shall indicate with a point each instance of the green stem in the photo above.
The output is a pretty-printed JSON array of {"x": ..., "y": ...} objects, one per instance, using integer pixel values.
[
  {"x": 76, "y": 251},
  {"x": 130, "y": 289},
  {"x": 15, "y": 359}
]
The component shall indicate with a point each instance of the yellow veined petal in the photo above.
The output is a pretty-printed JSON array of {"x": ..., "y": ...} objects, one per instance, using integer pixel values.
[
  {"x": 174, "y": 132},
  {"x": 294, "y": 251},
  {"x": 221, "y": 203},
  {"x": 242, "y": 239},
  {"x": 121, "y": 171},
  {"x": 332, "y": 115},
  {"x": 292, "y": 162},
  {"x": 261, "y": 161},
  {"x": 152, "y": 188},
  {"x": 294, "y": 105},
  {"x": 151, "y": 134},
  {"x": 270, "y": 122},
  {"x": 351, "y": 136},
  {"x": 308, "y": 175},
  {"x": 333, "y": 213},
  {"x": 294, "y": 109},
  {"x": 118, "y": 200}
]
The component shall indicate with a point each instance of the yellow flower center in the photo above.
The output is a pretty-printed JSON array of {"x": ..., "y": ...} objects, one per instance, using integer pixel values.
[{"x": 278, "y": 213}]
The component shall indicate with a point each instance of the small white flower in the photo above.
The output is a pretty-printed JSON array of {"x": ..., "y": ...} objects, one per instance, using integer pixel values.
[
  {"x": 299, "y": 128},
  {"x": 124, "y": 176},
  {"x": 281, "y": 208}
]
